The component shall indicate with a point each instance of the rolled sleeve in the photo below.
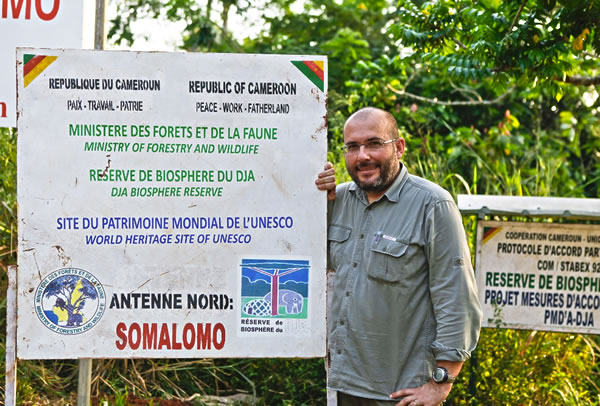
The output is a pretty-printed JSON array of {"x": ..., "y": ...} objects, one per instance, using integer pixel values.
[{"x": 452, "y": 284}]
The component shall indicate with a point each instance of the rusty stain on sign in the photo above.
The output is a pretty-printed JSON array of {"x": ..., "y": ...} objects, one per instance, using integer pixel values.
[
  {"x": 61, "y": 255},
  {"x": 104, "y": 172}
]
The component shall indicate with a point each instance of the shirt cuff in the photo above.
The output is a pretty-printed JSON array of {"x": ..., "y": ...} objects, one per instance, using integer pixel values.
[{"x": 443, "y": 353}]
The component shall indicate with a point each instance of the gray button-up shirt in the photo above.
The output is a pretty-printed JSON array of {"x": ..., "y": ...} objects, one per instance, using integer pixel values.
[{"x": 404, "y": 294}]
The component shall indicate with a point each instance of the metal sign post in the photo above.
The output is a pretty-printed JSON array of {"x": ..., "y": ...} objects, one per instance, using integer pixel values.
[
  {"x": 11, "y": 338},
  {"x": 99, "y": 24},
  {"x": 84, "y": 383}
]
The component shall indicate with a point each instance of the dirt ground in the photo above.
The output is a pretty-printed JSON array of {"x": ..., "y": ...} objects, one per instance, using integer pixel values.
[
  {"x": 135, "y": 401},
  {"x": 132, "y": 400}
]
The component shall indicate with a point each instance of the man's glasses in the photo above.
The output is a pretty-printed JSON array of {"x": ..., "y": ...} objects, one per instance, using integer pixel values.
[{"x": 371, "y": 146}]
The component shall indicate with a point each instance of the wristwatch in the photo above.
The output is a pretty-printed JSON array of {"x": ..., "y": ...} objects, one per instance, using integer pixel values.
[{"x": 441, "y": 375}]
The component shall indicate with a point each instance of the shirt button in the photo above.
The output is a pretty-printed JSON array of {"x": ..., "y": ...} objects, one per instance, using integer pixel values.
[
  {"x": 354, "y": 265},
  {"x": 342, "y": 322},
  {"x": 362, "y": 236},
  {"x": 339, "y": 351},
  {"x": 347, "y": 293}
]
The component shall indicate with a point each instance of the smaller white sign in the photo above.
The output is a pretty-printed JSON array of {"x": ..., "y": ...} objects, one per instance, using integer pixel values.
[
  {"x": 40, "y": 23},
  {"x": 539, "y": 276}
]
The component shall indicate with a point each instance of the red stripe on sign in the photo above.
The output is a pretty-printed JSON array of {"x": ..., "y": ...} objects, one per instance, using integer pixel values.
[
  {"x": 33, "y": 62},
  {"x": 315, "y": 68},
  {"x": 489, "y": 231}
]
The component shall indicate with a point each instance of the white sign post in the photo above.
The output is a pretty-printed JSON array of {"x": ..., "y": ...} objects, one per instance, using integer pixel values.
[
  {"x": 539, "y": 276},
  {"x": 167, "y": 205},
  {"x": 47, "y": 23}
]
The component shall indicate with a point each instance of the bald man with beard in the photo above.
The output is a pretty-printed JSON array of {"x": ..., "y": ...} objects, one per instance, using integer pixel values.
[{"x": 404, "y": 314}]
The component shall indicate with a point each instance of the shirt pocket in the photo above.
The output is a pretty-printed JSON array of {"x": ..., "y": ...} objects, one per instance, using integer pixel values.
[
  {"x": 338, "y": 237},
  {"x": 387, "y": 258}
]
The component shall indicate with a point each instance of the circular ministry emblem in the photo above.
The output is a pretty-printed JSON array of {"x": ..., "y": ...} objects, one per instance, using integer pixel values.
[{"x": 70, "y": 301}]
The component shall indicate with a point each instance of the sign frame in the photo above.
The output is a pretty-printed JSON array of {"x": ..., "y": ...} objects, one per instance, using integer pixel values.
[
  {"x": 550, "y": 207},
  {"x": 59, "y": 254}
]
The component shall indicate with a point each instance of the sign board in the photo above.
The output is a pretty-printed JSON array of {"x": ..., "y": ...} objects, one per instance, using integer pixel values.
[
  {"x": 167, "y": 205},
  {"x": 539, "y": 276},
  {"x": 40, "y": 23}
]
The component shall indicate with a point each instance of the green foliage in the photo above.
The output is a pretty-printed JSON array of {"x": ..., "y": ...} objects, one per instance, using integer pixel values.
[
  {"x": 122, "y": 399},
  {"x": 513, "y": 41},
  {"x": 514, "y": 130},
  {"x": 8, "y": 194},
  {"x": 206, "y": 23},
  {"x": 536, "y": 368}
]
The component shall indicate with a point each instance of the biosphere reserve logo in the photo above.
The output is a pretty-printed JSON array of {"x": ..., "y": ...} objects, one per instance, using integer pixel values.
[{"x": 70, "y": 301}]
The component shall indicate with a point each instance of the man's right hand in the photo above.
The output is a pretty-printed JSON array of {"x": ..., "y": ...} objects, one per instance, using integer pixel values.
[{"x": 326, "y": 181}]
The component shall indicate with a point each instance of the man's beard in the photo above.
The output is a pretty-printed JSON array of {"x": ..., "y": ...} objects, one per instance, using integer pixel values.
[{"x": 387, "y": 175}]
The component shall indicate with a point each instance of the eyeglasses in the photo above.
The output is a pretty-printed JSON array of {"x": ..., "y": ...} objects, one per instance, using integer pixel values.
[{"x": 371, "y": 146}]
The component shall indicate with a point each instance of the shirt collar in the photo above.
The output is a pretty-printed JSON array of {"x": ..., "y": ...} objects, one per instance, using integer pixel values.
[{"x": 393, "y": 191}]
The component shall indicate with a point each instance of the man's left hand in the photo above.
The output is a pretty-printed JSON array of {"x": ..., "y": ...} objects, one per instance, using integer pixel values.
[
  {"x": 326, "y": 180},
  {"x": 430, "y": 394}
]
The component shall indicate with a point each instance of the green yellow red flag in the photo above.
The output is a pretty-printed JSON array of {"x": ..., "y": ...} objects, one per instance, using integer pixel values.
[
  {"x": 33, "y": 65},
  {"x": 489, "y": 232},
  {"x": 313, "y": 70}
]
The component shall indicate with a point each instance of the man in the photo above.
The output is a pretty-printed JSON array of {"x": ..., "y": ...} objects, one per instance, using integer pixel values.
[{"x": 404, "y": 314}]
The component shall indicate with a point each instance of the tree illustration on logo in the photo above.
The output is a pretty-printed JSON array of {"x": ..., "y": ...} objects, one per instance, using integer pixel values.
[
  {"x": 275, "y": 270},
  {"x": 71, "y": 293}
]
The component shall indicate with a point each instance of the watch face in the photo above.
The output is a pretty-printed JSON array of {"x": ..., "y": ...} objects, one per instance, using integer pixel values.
[{"x": 439, "y": 374}]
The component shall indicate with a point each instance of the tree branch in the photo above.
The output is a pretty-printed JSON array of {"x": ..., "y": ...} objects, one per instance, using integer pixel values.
[
  {"x": 460, "y": 44},
  {"x": 581, "y": 80},
  {"x": 465, "y": 92},
  {"x": 451, "y": 103},
  {"x": 515, "y": 20}
]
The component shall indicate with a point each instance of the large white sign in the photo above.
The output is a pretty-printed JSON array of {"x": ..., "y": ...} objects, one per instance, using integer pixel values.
[
  {"x": 167, "y": 205},
  {"x": 539, "y": 276},
  {"x": 39, "y": 23}
]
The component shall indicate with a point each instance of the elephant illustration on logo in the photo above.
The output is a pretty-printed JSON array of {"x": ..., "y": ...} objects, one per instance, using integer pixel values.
[
  {"x": 275, "y": 288},
  {"x": 292, "y": 300}
]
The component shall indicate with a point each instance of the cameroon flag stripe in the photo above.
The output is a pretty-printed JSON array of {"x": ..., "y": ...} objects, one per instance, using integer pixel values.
[
  {"x": 27, "y": 57},
  {"x": 37, "y": 69},
  {"x": 489, "y": 232},
  {"x": 31, "y": 62},
  {"x": 312, "y": 76},
  {"x": 315, "y": 68}
]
